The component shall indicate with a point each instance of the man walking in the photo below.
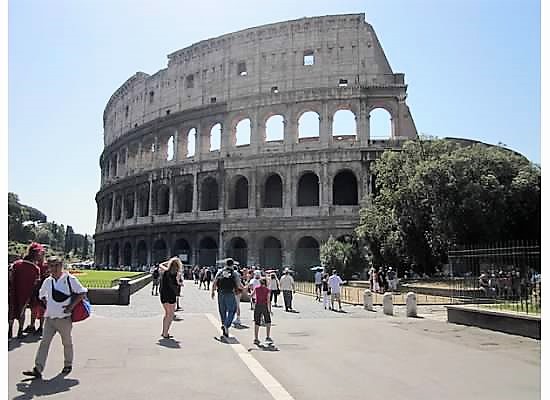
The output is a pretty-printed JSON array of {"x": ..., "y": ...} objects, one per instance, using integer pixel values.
[
  {"x": 226, "y": 282},
  {"x": 287, "y": 286},
  {"x": 61, "y": 292},
  {"x": 335, "y": 283},
  {"x": 318, "y": 284},
  {"x": 262, "y": 309}
]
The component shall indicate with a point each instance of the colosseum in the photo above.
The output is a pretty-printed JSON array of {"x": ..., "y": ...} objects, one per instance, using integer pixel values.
[{"x": 254, "y": 145}]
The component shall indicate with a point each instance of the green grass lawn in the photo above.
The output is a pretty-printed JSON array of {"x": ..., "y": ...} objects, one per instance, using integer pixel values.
[
  {"x": 100, "y": 279},
  {"x": 514, "y": 307}
]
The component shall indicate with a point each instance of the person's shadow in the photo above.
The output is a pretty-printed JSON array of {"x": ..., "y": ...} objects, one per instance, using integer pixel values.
[
  {"x": 170, "y": 343},
  {"x": 14, "y": 343},
  {"x": 44, "y": 387}
]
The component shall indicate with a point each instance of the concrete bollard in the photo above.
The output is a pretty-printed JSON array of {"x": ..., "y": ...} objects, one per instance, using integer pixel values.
[
  {"x": 367, "y": 300},
  {"x": 411, "y": 304},
  {"x": 124, "y": 292},
  {"x": 388, "y": 303}
]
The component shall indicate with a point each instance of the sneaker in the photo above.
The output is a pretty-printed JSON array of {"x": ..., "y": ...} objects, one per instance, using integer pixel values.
[
  {"x": 34, "y": 373},
  {"x": 66, "y": 370},
  {"x": 29, "y": 329},
  {"x": 225, "y": 332},
  {"x": 256, "y": 342},
  {"x": 38, "y": 332},
  {"x": 237, "y": 321},
  {"x": 268, "y": 340}
]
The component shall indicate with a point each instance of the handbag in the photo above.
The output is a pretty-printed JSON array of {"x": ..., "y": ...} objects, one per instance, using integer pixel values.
[{"x": 82, "y": 309}]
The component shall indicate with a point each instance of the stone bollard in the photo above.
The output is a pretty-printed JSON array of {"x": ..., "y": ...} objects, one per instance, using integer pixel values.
[
  {"x": 124, "y": 292},
  {"x": 411, "y": 304},
  {"x": 388, "y": 303},
  {"x": 367, "y": 300}
]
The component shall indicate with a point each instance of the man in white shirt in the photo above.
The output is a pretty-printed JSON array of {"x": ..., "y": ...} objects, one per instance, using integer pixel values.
[
  {"x": 318, "y": 283},
  {"x": 56, "y": 292},
  {"x": 287, "y": 286},
  {"x": 335, "y": 283}
]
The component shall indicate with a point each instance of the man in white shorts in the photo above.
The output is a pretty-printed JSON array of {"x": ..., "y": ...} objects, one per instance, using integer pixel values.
[{"x": 335, "y": 283}]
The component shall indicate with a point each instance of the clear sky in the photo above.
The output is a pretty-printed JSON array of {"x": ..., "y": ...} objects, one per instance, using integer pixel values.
[{"x": 472, "y": 66}]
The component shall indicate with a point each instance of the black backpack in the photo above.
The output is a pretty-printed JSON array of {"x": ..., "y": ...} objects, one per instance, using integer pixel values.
[{"x": 156, "y": 274}]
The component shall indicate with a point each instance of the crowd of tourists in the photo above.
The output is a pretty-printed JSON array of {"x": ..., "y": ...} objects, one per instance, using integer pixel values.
[
  {"x": 510, "y": 284},
  {"x": 51, "y": 294}
]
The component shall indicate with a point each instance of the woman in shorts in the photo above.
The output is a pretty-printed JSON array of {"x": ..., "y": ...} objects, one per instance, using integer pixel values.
[{"x": 169, "y": 290}]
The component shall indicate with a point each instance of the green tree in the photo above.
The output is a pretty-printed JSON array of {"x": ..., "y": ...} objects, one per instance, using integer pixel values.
[{"x": 335, "y": 254}]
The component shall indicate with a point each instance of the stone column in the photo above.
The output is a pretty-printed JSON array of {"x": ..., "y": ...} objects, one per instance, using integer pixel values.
[
  {"x": 195, "y": 194},
  {"x": 324, "y": 189},
  {"x": 289, "y": 197},
  {"x": 136, "y": 209},
  {"x": 290, "y": 132},
  {"x": 175, "y": 147},
  {"x": 138, "y": 163},
  {"x": 151, "y": 198},
  {"x": 253, "y": 194},
  {"x": 363, "y": 124},
  {"x": 220, "y": 244},
  {"x": 113, "y": 203},
  {"x": 172, "y": 193},
  {"x": 325, "y": 126},
  {"x": 122, "y": 208},
  {"x": 155, "y": 157},
  {"x": 257, "y": 133},
  {"x": 199, "y": 141},
  {"x": 149, "y": 242}
]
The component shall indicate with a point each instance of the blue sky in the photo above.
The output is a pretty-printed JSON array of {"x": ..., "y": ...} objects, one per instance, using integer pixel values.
[{"x": 472, "y": 66}]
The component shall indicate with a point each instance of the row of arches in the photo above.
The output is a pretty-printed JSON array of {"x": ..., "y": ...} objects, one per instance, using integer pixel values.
[
  {"x": 169, "y": 146},
  {"x": 269, "y": 252},
  {"x": 344, "y": 193}
]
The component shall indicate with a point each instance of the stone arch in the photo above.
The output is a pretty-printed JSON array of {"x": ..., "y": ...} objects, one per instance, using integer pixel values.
[
  {"x": 380, "y": 123},
  {"x": 238, "y": 250},
  {"x": 344, "y": 189},
  {"x": 162, "y": 199},
  {"x": 344, "y": 123},
  {"x": 308, "y": 189},
  {"x": 271, "y": 252},
  {"x": 309, "y": 125},
  {"x": 160, "y": 251},
  {"x": 141, "y": 252},
  {"x": 273, "y": 191},
  {"x": 239, "y": 193},
  {"x": 118, "y": 208},
  {"x": 182, "y": 247},
  {"x": 184, "y": 198},
  {"x": 115, "y": 255},
  {"x": 208, "y": 251},
  {"x": 307, "y": 255},
  {"x": 143, "y": 202},
  {"x": 191, "y": 142},
  {"x": 209, "y": 194},
  {"x": 127, "y": 254},
  {"x": 129, "y": 201},
  {"x": 170, "y": 149},
  {"x": 243, "y": 131},
  {"x": 216, "y": 137},
  {"x": 275, "y": 128}
]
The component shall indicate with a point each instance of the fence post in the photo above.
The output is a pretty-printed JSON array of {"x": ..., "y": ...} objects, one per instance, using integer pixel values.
[
  {"x": 388, "y": 303},
  {"x": 367, "y": 300},
  {"x": 411, "y": 304}
]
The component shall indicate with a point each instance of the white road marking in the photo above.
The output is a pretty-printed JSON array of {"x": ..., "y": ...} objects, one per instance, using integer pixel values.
[{"x": 273, "y": 386}]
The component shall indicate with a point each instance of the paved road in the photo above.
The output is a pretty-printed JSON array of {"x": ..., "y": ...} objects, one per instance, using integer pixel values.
[{"x": 322, "y": 355}]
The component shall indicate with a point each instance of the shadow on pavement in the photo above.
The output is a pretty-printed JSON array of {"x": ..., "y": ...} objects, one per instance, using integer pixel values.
[
  {"x": 170, "y": 343},
  {"x": 15, "y": 343},
  {"x": 240, "y": 326},
  {"x": 44, "y": 387},
  {"x": 227, "y": 340}
]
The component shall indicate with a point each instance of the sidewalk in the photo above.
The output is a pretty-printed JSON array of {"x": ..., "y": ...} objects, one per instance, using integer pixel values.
[{"x": 119, "y": 354}]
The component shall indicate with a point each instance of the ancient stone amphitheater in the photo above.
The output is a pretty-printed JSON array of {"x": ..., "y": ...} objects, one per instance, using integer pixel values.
[{"x": 254, "y": 145}]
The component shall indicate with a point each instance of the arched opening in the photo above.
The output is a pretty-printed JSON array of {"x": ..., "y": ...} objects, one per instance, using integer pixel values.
[
  {"x": 142, "y": 253},
  {"x": 184, "y": 200},
  {"x": 308, "y": 125},
  {"x": 209, "y": 194},
  {"x": 127, "y": 254},
  {"x": 215, "y": 137},
  {"x": 107, "y": 255},
  {"x": 170, "y": 149},
  {"x": 159, "y": 251},
  {"x": 242, "y": 132},
  {"x": 239, "y": 198},
  {"x": 115, "y": 256},
  {"x": 344, "y": 124},
  {"x": 238, "y": 250},
  {"x": 118, "y": 208},
  {"x": 271, "y": 254},
  {"x": 143, "y": 202},
  {"x": 308, "y": 190},
  {"x": 273, "y": 193},
  {"x": 208, "y": 251},
  {"x": 380, "y": 124},
  {"x": 191, "y": 142},
  {"x": 307, "y": 255},
  {"x": 129, "y": 205},
  {"x": 183, "y": 250},
  {"x": 163, "y": 200},
  {"x": 275, "y": 128},
  {"x": 344, "y": 189}
]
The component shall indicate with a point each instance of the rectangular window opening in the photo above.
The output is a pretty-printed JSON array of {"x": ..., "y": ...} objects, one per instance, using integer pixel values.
[
  {"x": 309, "y": 58},
  {"x": 189, "y": 81},
  {"x": 167, "y": 112},
  {"x": 212, "y": 100},
  {"x": 274, "y": 89},
  {"x": 151, "y": 97},
  {"x": 343, "y": 83},
  {"x": 241, "y": 69}
]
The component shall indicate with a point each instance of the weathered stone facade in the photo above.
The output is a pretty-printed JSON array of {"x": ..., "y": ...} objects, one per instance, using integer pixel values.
[{"x": 265, "y": 202}]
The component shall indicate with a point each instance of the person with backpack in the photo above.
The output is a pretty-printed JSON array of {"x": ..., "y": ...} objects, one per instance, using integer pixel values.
[
  {"x": 61, "y": 292},
  {"x": 226, "y": 283},
  {"x": 156, "y": 281}
]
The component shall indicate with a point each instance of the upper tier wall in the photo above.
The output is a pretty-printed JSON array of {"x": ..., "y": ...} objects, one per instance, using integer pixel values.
[{"x": 343, "y": 47}]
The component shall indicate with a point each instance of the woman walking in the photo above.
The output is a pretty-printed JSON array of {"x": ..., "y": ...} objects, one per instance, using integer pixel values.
[
  {"x": 275, "y": 289},
  {"x": 169, "y": 290}
]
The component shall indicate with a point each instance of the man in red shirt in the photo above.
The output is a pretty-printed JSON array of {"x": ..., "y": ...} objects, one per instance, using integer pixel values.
[
  {"x": 262, "y": 308},
  {"x": 25, "y": 276}
]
